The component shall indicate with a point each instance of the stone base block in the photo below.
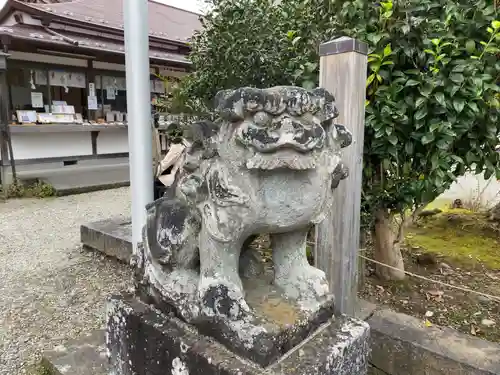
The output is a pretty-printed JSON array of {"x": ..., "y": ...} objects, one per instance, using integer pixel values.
[
  {"x": 113, "y": 237},
  {"x": 83, "y": 356},
  {"x": 141, "y": 340}
]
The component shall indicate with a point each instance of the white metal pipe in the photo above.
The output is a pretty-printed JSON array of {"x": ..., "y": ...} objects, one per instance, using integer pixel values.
[{"x": 138, "y": 112}]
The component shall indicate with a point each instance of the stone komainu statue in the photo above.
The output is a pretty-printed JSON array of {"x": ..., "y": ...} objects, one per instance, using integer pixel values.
[{"x": 267, "y": 165}]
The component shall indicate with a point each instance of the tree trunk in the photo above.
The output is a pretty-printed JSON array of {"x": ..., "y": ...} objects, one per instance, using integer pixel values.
[
  {"x": 387, "y": 248},
  {"x": 494, "y": 212}
]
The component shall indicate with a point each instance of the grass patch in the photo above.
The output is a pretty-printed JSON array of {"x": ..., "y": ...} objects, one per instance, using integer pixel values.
[
  {"x": 31, "y": 189},
  {"x": 41, "y": 368},
  {"x": 464, "y": 236}
]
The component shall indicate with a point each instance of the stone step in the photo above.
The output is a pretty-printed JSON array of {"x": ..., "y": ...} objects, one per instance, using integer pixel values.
[
  {"x": 84, "y": 356},
  {"x": 113, "y": 237}
]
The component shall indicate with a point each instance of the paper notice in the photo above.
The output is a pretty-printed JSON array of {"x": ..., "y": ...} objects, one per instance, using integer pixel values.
[
  {"x": 37, "y": 100},
  {"x": 92, "y": 102},
  {"x": 110, "y": 93},
  {"x": 92, "y": 89}
]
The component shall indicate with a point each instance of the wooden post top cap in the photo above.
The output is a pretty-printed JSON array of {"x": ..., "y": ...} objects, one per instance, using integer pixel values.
[{"x": 342, "y": 45}]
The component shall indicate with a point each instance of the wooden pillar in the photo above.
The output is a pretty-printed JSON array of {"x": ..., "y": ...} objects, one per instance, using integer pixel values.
[
  {"x": 89, "y": 78},
  {"x": 343, "y": 64}
]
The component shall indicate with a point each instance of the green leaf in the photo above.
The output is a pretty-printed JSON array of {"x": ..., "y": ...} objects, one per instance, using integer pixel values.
[
  {"x": 421, "y": 113},
  {"x": 393, "y": 140},
  {"x": 411, "y": 82},
  {"x": 308, "y": 85},
  {"x": 426, "y": 90},
  {"x": 473, "y": 106},
  {"x": 470, "y": 158},
  {"x": 459, "y": 68},
  {"x": 434, "y": 127},
  {"x": 420, "y": 101},
  {"x": 428, "y": 138},
  {"x": 470, "y": 46},
  {"x": 495, "y": 24},
  {"x": 434, "y": 161},
  {"x": 457, "y": 78},
  {"x": 409, "y": 148},
  {"x": 387, "y": 50},
  {"x": 458, "y": 104},
  {"x": 440, "y": 98},
  {"x": 370, "y": 79}
]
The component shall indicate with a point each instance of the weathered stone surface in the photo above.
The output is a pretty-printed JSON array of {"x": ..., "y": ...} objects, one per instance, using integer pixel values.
[
  {"x": 276, "y": 325},
  {"x": 112, "y": 237},
  {"x": 375, "y": 371},
  {"x": 401, "y": 344},
  {"x": 141, "y": 340},
  {"x": 268, "y": 166},
  {"x": 364, "y": 309},
  {"x": 85, "y": 356},
  {"x": 339, "y": 347}
]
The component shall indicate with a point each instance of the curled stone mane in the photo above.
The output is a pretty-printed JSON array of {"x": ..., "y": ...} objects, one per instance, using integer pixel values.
[{"x": 235, "y": 105}]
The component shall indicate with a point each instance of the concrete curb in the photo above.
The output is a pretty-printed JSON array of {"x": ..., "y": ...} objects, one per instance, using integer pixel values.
[
  {"x": 89, "y": 189},
  {"x": 112, "y": 237},
  {"x": 402, "y": 345}
]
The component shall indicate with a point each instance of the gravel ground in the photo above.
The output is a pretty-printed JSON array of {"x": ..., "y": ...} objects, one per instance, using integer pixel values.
[{"x": 50, "y": 290}]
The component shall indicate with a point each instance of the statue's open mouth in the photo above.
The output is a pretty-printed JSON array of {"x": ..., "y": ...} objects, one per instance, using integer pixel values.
[
  {"x": 281, "y": 159},
  {"x": 296, "y": 137},
  {"x": 282, "y": 144}
]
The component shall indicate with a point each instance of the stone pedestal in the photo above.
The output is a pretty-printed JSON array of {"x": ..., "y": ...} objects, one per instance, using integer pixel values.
[{"x": 142, "y": 340}]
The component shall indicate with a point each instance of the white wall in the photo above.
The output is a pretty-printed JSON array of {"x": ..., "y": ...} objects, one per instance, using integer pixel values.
[
  {"x": 472, "y": 187},
  {"x": 112, "y": 141},
  {"x": 52, "y": 145},
  {"x": 49, "y": 145}
]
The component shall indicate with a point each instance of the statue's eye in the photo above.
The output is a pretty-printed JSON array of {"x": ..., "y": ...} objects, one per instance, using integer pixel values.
[{"x": 262, "y": 119}]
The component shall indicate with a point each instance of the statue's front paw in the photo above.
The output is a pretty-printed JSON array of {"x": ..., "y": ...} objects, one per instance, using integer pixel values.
[
  {"x": 221, "y": 298},
  {"x": 307, "y": 284},
  {"x": 340, "y": 173}
]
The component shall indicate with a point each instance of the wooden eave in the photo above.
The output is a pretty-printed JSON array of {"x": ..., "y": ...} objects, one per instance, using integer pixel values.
[{"x": 40, "y": 14}]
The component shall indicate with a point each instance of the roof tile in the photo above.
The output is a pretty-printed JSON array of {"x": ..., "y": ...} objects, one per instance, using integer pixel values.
[
  {"x": 26, "y": 32},
  {"x": 165, "y": 21}
]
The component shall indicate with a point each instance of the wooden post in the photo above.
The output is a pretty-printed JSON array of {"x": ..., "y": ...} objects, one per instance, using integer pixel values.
[
  {"x": 89, "y": 78},
  {"x": 343, "y": 64}
]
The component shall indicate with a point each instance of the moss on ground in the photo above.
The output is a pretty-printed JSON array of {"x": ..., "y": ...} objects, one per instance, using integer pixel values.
[{"x": 466, "y": 237}]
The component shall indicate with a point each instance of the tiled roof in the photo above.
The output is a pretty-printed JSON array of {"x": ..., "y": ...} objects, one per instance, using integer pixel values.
[
  {"x": 34, "y": 33},
  {"x": 165, "y": 21}
]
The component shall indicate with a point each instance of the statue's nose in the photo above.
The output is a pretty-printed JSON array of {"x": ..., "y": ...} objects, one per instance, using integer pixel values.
[
  {"x": 287, "y": 126},
  {"x": 288, "y": 131}
]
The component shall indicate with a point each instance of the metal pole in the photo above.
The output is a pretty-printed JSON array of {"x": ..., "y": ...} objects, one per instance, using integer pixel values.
[{"x": 138, "y": 112}]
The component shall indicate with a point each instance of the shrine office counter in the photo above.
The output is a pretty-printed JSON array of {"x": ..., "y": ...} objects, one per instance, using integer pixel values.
[{"x": 53, "y": 143}]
